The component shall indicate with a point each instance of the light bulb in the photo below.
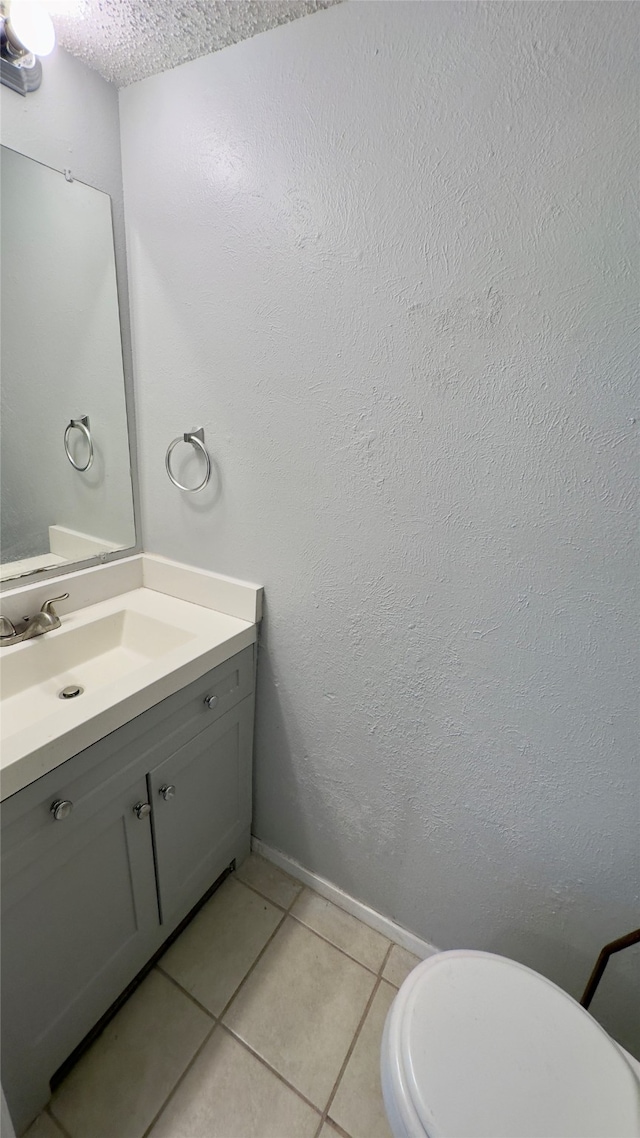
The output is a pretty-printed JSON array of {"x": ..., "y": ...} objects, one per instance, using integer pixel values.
[{"x": 32, "y": 26}]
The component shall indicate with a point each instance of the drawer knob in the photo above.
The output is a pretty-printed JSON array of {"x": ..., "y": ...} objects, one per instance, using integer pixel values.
[
  {"x": 211, "y": 701},
  {"x": 167, "y": 792},
  {"x": 142, "y": 810},
  {"x": 61, "y": 809}
]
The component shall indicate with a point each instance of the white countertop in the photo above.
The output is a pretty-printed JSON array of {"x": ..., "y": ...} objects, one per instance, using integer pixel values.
[{"x": 39, "y": 731}]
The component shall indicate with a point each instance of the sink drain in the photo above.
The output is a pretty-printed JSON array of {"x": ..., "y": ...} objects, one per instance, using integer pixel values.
[{"x": 70, "y": 692}]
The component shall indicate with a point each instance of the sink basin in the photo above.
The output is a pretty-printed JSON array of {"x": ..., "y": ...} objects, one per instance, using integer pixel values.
[
  {"x": 90, "y": 656},
  {"x": 126, "y": 653}
]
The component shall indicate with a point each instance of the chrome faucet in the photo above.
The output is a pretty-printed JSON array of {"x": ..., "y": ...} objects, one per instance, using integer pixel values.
[{"x": 44, "y": 621}]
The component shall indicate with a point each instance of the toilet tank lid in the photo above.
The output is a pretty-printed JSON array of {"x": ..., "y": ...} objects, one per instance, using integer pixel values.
[{"x": 491, "y": 1049}]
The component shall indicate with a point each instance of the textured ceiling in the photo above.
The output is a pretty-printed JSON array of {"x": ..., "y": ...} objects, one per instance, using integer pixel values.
[{"x": 127, "y": 40}]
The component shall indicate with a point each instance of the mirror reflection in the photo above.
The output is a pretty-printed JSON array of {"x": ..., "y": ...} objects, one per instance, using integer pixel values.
[{"x": 64, "y": 446}]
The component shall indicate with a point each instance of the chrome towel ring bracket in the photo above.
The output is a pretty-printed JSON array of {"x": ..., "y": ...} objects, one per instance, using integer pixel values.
[
  {"x": 196, "y": 438},
  {"x": 83, "y": 426}
]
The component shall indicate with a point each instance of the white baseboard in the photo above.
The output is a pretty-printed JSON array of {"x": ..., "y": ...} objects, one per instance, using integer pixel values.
[{"x": 375, "y": 920}]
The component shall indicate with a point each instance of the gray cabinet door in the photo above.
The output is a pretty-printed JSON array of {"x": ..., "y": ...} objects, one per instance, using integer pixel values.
[
  {"x": 79, "y": 919},
  {"x": 202, "y": 821},
  {"x": 80, "y": 897}
]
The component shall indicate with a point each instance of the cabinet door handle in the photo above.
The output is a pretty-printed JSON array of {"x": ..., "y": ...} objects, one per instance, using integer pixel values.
[
  {"x": 61, "y": 809},
  {"x": 167, "y": 792},
  {"x": 142, "y": 809},
  {"x": 211, "y": 701}
]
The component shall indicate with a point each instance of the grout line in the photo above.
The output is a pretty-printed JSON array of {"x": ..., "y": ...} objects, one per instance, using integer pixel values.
[
  {"x": 320, "y": 1126},
  {"x": 186, "y": 993},
  {"x": 180, "y": 1080},
  {"x": 298, "y": 894},
  {"x": 217, "y": 1021},
  {"x": 351, "y": 1048},
  {"x": 250, "y": 970},
  {"x": 371, "y": 971},
  {"x": 47, "y": 1110},
  {"x": 340, "y": 1130},
  {"x": 288, "y": 912},
  {"x": 262, "y": 896},
  {"x": 254, "y": 889},
  {"x": 334, "y": 1126},
  {"x": 281, "y": 1078},
  {"x": 386, "y": 959},
  {"x": 374, "y": 919}
]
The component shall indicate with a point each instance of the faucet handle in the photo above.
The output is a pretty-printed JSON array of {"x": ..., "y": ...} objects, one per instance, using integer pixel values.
[
  {"x": 48, "y": 605},
  {"x": 7, "y": 628}
]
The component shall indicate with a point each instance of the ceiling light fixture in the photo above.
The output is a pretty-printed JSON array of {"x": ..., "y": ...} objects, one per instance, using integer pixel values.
[{"x": 26, "y": 33}]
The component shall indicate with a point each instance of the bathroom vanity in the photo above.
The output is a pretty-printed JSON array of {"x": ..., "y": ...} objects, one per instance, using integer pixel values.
[
  {"x": 124, "y": 803},
  {"x": 106, "y": 853}
]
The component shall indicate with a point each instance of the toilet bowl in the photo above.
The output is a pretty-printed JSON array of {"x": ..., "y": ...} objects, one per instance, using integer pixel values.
[{"x": 478, "y": 1046}]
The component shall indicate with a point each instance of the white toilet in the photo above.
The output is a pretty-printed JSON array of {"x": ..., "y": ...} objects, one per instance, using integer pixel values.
[{"x": 477, "y": 1046}]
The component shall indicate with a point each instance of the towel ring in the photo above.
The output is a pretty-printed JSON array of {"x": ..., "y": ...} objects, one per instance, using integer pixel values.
[
  {"x": 83, "y": 426},
  {"x": 196, "y": 438}
]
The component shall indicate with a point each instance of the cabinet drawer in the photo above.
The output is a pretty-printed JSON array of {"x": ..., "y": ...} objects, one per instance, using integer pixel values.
[
  {"x": 136, "y": 747},
  {"x": 224, "y": 687}
]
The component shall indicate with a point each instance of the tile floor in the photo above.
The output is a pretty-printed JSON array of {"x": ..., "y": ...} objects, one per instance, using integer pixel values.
[{"x": 263, "y": 1020}]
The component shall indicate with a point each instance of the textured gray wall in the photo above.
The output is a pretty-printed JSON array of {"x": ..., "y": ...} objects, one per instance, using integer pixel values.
[{"x": 383, "y": 255}]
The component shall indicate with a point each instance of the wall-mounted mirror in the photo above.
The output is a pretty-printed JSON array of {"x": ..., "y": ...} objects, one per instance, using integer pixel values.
[{"x": 64, "y": 446}]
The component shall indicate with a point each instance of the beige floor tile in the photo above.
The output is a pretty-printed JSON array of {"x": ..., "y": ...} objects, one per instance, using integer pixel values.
[
  {"x": 343, "y": 930},
  {"x": 215, "y": 952},
  {"x": 275, "y": 885},
  {"x": 399, "y": 965},
  {"x": 228, "y": 1093},
  {"x": 43, "y": 1127},
  {"x": 329, "y": 1131},
  {"x": 358, "y": 1107},
  {"x": 300, "y": 1007},
  {"x": 118, "y": 1087}
]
